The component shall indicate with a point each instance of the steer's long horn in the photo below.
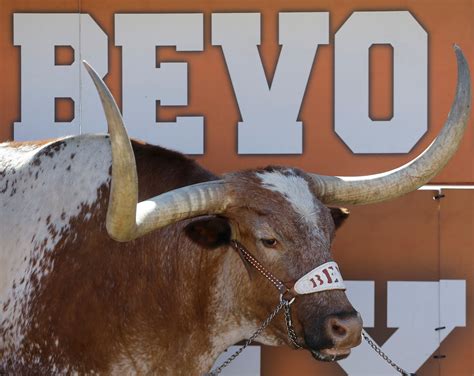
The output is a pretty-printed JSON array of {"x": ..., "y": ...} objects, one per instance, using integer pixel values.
[
  {"x": 380, "y": 187},
  {"x": 126, "y": 218}
]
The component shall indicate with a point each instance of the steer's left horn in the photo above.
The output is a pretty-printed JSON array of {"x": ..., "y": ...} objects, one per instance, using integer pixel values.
[
  {"x": 381, "y": 187},
  {"x": 126, "y": 218}
]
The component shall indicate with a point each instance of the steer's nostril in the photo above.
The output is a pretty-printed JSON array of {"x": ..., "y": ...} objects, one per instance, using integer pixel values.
[
  {"x": 338, "y": 329},
  {"x": 344, "y": 330}
]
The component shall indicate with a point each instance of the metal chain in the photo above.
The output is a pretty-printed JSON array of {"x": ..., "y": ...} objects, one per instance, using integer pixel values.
[
  {"x": 289, "y": 324},
  {"x": 259, "y": 331},
  {"x": 384, "y": 356}
]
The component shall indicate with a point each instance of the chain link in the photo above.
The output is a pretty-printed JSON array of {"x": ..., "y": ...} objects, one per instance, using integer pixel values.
[
  {"x": 259, "y": 331},
  {"x": 384, "y": 356},
  {"x": 289, "y": 324}
]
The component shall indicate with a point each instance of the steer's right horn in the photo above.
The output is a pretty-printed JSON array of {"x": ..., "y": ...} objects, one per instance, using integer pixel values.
[{"x": 126, "y": 218}]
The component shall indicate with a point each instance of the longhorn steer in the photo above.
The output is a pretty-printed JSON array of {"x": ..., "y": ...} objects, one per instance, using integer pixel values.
[{"x": 171, "y": 294}]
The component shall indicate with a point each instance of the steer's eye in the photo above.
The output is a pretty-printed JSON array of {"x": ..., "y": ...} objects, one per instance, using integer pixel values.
[{"x": 269, "y": 243}]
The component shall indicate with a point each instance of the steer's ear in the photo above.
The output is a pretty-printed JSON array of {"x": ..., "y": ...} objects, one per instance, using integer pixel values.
[
  {"x": 209, "y": 232},
  {"x": 339, "y": 215}
]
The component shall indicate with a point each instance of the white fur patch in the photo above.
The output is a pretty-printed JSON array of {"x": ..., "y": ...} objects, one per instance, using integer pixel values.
[
  {"x": 41, "y": 190},
  {"x": 295, "y": 189},
  {"x": 131, "y": 363}
]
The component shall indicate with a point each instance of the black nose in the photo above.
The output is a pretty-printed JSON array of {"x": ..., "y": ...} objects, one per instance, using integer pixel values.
[{"x": 344, "y": 331}]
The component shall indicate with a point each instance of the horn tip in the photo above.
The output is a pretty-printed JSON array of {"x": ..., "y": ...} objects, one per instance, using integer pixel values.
[
  {"x": 89, "y": 69},
  {"x": 458, "y": 52}
]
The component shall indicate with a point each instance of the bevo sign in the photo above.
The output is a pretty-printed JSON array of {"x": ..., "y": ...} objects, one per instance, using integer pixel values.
[{"x": 269, "y": 111}]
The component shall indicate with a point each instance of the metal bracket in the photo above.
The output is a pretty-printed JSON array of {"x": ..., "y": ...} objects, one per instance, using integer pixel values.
[{"x": 439, "y": 195}]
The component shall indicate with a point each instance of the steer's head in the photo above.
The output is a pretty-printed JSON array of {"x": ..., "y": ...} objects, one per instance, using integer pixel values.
[
  {"x": 279, "y": 215},
  {"x": 276, "y": 216}
]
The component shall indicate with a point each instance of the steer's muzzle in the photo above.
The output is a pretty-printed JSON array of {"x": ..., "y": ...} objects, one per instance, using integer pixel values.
[{"x": 333, "y": 337}]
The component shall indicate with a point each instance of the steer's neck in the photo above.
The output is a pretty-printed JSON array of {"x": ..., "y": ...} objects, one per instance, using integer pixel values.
[
  {"x": 226, "y": 324},
  {"x": 189, "y": 306}
]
